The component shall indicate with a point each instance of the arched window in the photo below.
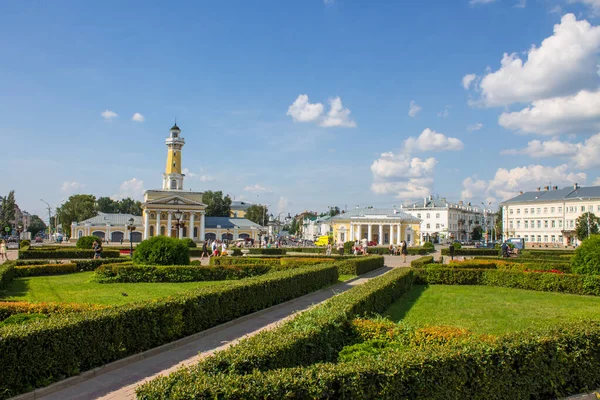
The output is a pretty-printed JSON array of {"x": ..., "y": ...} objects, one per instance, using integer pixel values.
[
  {"x": 173, "y": 184},
  {"x": 79, "y": 234},
  {"x": 196, "y": 232},
  {"x": 162, "y": 231},
  {"x": 151, "y": 230}
]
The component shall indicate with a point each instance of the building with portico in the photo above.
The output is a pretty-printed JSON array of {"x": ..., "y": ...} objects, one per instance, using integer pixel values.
[{"x": 381, "y": 225}]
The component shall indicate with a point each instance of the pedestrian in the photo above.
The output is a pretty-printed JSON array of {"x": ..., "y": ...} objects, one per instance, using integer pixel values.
[
  {"x": 451, "y": 251},
  {"x": 97, "y": 247},
  {"x": 223, "y": 248},
  {"x": 391, "y": 249},
  {"x": 328, "y": 251},
  {"x": 504, "y": 248},
  {"x": 340, "y": 247},
  {"x": 214, "y": 248},
  {"x": 3, "y": 253},
  {"x": 121, "y": 240},
  {"x": 404, "y": 251},
  {"x": 204, "y": 251}
]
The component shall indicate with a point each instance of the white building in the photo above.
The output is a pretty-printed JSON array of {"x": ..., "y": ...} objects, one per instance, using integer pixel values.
[
  {"x": 442, "y": 220},
  {"x": 313, "y": 227},
  {"x": 548, "y": 216}
]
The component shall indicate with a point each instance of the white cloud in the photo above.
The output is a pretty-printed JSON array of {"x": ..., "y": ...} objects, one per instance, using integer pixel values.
[
  {"x": 402, "y": 175},
  {"x": 304, "y": 111},
  {"x": 445, "y": 112},
  {"x": 521, "y": 4},
  {"x": 475, "y": 127},
  {"x": 593, "y": 4},
  {"x": 282, "y": 205},
  {"x": 337, "y": 115},
  {"x": 597, "y": 182},
  {"x": 108, "y": 115},
  {"x": 571, "y": 114},
  {"x": 474, "y": 2},
  {"x": 430, "y": 140},
  {"x": 200, "y": 177},
  {"x": 71, "y": 187},
  {"x": 413, "y": 109},
  {"x": 256, "y": 189},
  {"x": 137, "y": 117},
  {"x": 473, "y": 188},
  {"x": 133, "y": 188},
  {"x": 564, "y": 64},
  {"x": 467, "y": 80}
]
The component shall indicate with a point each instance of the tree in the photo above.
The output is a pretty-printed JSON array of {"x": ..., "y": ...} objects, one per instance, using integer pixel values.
[
  {"x": 7, "y": 210},
  {"x": 477, "y": 232},
  {"x": 333, "y": 211},
  {"x": 216, "y": 204},
  {"x": 257, "y": 214},
  {"x": 79, "y": 207},
  {"x": 129, "y": 206},
  {"x": 293, "y": 226},
  {"x": 498, "y": 225},
  {"x": 36, "y": 225},
  {"x": 581, "y": 227},
  {"x": 107, "y": 205}
]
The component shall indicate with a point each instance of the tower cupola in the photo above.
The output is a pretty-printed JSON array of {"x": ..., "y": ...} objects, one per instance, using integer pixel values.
[{"x": 173, "y": 178}]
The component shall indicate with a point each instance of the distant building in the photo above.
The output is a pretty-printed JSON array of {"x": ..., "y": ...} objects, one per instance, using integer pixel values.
[
  {"x": 313, "y": 226},
  {"x": 548, "y": 216},
  {"x": 239, "y": 209}
]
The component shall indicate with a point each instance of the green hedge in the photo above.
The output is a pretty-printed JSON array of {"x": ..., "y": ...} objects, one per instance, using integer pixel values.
[
  {"x": 44, "y": 351},
  {"x": 413, "y": 251},
  {"x": 312, "y": 250},
  {"x": 530, "y": 365},
  {"x": 65, "y": 253},
  {"x": 272, "y": 252},
  {"x": 118, "y": 273},
  {"x": 90, "y": 265},
  {"x": 7, "y": 273},
  {"x": 539, "y": 281},
  {"x": 45, "y": 269},
  {"x": 421, "y": 262},
  {"x": 243, "y": 260},
  {"x": 546, "y": 253},
  {"x": 472, "y": 252},
  {"x": 313, "y": 336},
  {"x": 359, "y": 265}
]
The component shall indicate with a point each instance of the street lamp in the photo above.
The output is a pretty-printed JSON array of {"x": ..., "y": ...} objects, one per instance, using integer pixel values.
[
  {"x": 19, "y": 230},
  {"x": 49, "y": 218},
  {"x": 131, "y": 228},
  {"x": 485, "y": 220},
  {"x": 180, "y": 223}
]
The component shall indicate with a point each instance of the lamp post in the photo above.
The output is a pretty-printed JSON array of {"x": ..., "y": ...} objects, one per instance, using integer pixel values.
[
  {"x": 19, "y": 229},
  {"x": 49, "y": 218},
  {"x": 485, "y": 220},
  {"x": 131, "y": 228},
  {"x": 180, "y": 223}
]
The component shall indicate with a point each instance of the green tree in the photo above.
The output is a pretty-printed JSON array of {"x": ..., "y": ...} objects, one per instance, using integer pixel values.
[
  {"x": 257, "y": 214},
  {"x": 216, "y": 204},
  {"x": 36, "y": 225},
  {"x": 79, "y": 207},
  {"x": 498, "y": 224},
  {"x": 581, "y": 227},
  {"x": 107, "y": 205},
  {"x": 333, "y": 211},
  {"x": 7, "y": 210},
  {"x": 477, "y": 232},
  {"x": 293, "y": 226},
  {"x": 130, "y": 206}
]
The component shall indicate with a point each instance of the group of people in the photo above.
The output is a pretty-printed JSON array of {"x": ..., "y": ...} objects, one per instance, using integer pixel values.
[
  {"x": 400, "y": 250},
  {"x": 217, "y": 248},
  {"x": 339, "y": 247}
]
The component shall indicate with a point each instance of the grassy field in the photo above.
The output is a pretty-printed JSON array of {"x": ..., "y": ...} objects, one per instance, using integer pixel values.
[
  {"x": 490, "y": 310},
  {"x": 79, "y": 288}
]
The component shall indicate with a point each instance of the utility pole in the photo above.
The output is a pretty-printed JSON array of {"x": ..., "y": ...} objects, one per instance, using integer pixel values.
[
  {"x": 49, "y": 218},
  {"x": 588, "y": 224}
]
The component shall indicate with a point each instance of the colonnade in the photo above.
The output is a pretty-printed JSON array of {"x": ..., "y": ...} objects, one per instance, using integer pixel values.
[
  {"x": 190, "y": 223},
  {"x": 395, "y": 232}
]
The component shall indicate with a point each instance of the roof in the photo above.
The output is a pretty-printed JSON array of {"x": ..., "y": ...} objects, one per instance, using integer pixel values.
[
  {"x": 112, "y": 219},
  {"x": 366, "y": 212},
  {"x": 229, "y": 223},
  {"x": 175, "y": 128},
  {"x": 567, "y": 193}
]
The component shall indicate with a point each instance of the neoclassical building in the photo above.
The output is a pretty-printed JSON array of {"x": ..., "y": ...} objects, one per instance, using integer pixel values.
[
  {"x": 381, "y": 225},
  {"x": 169, "y": 211}
]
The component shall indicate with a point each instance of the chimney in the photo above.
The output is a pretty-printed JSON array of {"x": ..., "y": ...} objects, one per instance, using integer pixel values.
[
  {"x": 520, "y": 192},
  {"x": 575, "y": 187},
  {"x": 538, "y": 189}
]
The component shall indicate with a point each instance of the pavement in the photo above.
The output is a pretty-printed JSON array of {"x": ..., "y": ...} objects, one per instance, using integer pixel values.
[{"x": 118, "y": 380}]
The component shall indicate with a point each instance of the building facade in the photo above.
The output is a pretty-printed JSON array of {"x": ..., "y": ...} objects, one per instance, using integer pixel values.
[
  {"x": 313, "y": 227},
  {"x": 547, "y": 217},
  {"x": 380, "y": 225},
  {"x": 442, "y": 221}
]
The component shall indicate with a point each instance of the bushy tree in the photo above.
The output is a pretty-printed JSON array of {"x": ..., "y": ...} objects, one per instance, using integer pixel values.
[
  {"x": 86, "y": 242},
  {"x": 257, "y": 214},
  {"x": 36, "y": 225},
  {"x": 123, "y": 206},
  {"x": 581, "y": 227},
  {"x": 107, "y": 205},
  {"x": 7, "y": 210},
  {"x": 587, "y": 257},
  {"x": 189, "y": 243},
  {"x": 477, "y": 233},
  {"x": 216, "y": 204},
  {"x": 79, "y": 207},
  {"x": 162, "y": 250}
]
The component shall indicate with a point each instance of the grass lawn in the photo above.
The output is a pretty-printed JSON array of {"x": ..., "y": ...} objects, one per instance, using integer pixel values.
[
  {"x": 79, "y": 288},
  {"x": 492, "y": 310},
  {"x": 344, "y": 278}
]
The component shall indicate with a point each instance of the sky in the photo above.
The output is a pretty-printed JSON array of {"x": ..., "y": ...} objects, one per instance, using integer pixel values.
[{"x": 300, "y": 104}]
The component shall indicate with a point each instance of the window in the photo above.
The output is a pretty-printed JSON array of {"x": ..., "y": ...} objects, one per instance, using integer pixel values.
[
  {"x": 571, "y": 223},
  {"x": 173, "y": 184},
  {"x": 511, "y": 211},
  {"x": 428, "y": 226},
  {"x": 582, "y": 208},
  {"x": 559, "y": 209},
  {"x": 151, "y": 230},
  {"x": 539, "y": 211},
  {"x": 437, "y": 226},
  {"x": 526, "y": 238},
  {"x": 545, "y": 210},
  {"x": 545, "y": 223},
  {"x": 553, "y": 238},
  {"x": 428, "y": 215},
  {"x": 545, "y": 238},
  {"x": 553, "y": 223},
  {"x": 560, "y": 223},
  {"x": 539, "y": 238},
  {"x": 527, "y": 211},
  {"x": 437, "y": 215},
  {"x": 526, "y": 224},
  {"x": 519, "y": 224},
  {"x": 518, "y": 211},
  {"x": 419, "y": 215},
  {"x": 590, "y": 208},
  {"x": 532, "y": 211},
  {"x": 511, "y": 224},
  {"x": 539, "y": 224},
  {"x": 552, "y": 210}
]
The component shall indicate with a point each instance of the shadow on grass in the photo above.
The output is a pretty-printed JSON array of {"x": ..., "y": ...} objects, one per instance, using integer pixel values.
[
  {"x": 402, "y": 306},
  {"x": 18, "y": 288}
]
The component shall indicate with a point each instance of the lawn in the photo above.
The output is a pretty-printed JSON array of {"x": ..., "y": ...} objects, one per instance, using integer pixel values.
[
  {"x": 79, "y": 288},
  {"x": 344, "y": 278},
  {"x": 492, "y": 310}
]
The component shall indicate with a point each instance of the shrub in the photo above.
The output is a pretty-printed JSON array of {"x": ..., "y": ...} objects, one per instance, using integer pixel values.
[
  {"x": 457, "y": 245},
  {"x": 7, "y": 273},
  {"x": 34, "y": 262},
  {"x": 189, "y": 243},
  {"x": 587, "y": 256},
  {"x": 24, "y": 243},
  {"x": 8, "y": 308},
  {"x": 64, "y": 253},
  {"x": 117, "y": 332},
  {"x": 268, "y": 251},
  {"x": 472, "y": 252},
  {"x": 86, "y": 242},
  {"x": 90, "y": 265},
  {"x": 113, "y": 273},
  {"x": 428, "y": 246},
  {"x": 18, "y": 319},
  {"x": 421, "y": 262},
  {"x": 235, "y": 252},
  {"x": 312, "y": 250},
  {"x": 243, "y": 260},
  {"x": 47, "y": 269},
  {"x": 162, "y": 250},
  {"x": 359, "y": 265}
]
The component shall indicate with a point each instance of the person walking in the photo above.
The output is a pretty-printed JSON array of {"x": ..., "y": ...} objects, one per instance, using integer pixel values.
[
  {"x": 340, "y": 247},
  {"x": 404, "y": 251},
  {"x": 328, "y": 251},
  {"x": 3, "y": 253},
  {"x": 204, "y": 251},
  {"x": 97, "y": 247},
  {"x": 451, "y": 251}
]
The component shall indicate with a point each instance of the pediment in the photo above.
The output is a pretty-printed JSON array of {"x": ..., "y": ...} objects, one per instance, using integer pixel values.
[{"x": 174, "y": 200}]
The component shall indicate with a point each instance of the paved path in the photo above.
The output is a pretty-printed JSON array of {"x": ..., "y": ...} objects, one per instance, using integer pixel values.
[{"x": 118, "y": 380}]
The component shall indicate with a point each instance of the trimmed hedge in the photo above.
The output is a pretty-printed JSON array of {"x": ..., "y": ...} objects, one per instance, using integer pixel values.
[
  {"x": 546, "y": 253},
  {"x": 44, "y": 269},
  {"x": 472, "y": 252},
  {"x": 359, "y": 265},
  {"x": 271, "y": 252},
  {"x": 118, "y": 273},
  {"x": 8, "y": 308},
  {"x": 7, "y": 273},
  {"x": 529, "y": 365},
  {"x": 312, "y": 250},
  {"x": 86, "y": 242},
  {"x": 64, "y": 253},
  {"x": 243, "y": 260},
  {"x": 162, "y": 250},
  {"x": 587, "y": 256},
  {"x": 421, "y": 262},
  {"x": 44, "y": 351},
  {"x": 413, "y": 251},
  {"x": 90, "y": 265},
  {"x": 539, "y": 281}
]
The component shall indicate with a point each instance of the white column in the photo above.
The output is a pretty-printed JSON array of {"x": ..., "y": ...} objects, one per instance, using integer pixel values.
[
  {"x": 399, "y": 233},
  {"x": 236, "y": 234},
  {"x": 169, "y": 220},
  {"x": 351, "y": 232},
  {"x": 157, "y": 227},
  {"x": 392, "y": 234},
  {"x": 380, "y": 234},
  {"x": 191, "y": 232},
  {"x": 202, "y": 227},
  {"x": 369, "y": 232},
  {"x": 180, "y": 233},
  {"x": 359, "y": 231},
  {"x": 146, "y": 224}
]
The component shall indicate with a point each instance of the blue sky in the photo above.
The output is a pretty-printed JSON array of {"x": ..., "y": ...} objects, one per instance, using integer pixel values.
[{"x": 234, "y": 74}]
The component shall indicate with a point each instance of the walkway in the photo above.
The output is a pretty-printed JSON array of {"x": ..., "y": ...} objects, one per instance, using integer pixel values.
[{"x": 118, "y": 380}]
